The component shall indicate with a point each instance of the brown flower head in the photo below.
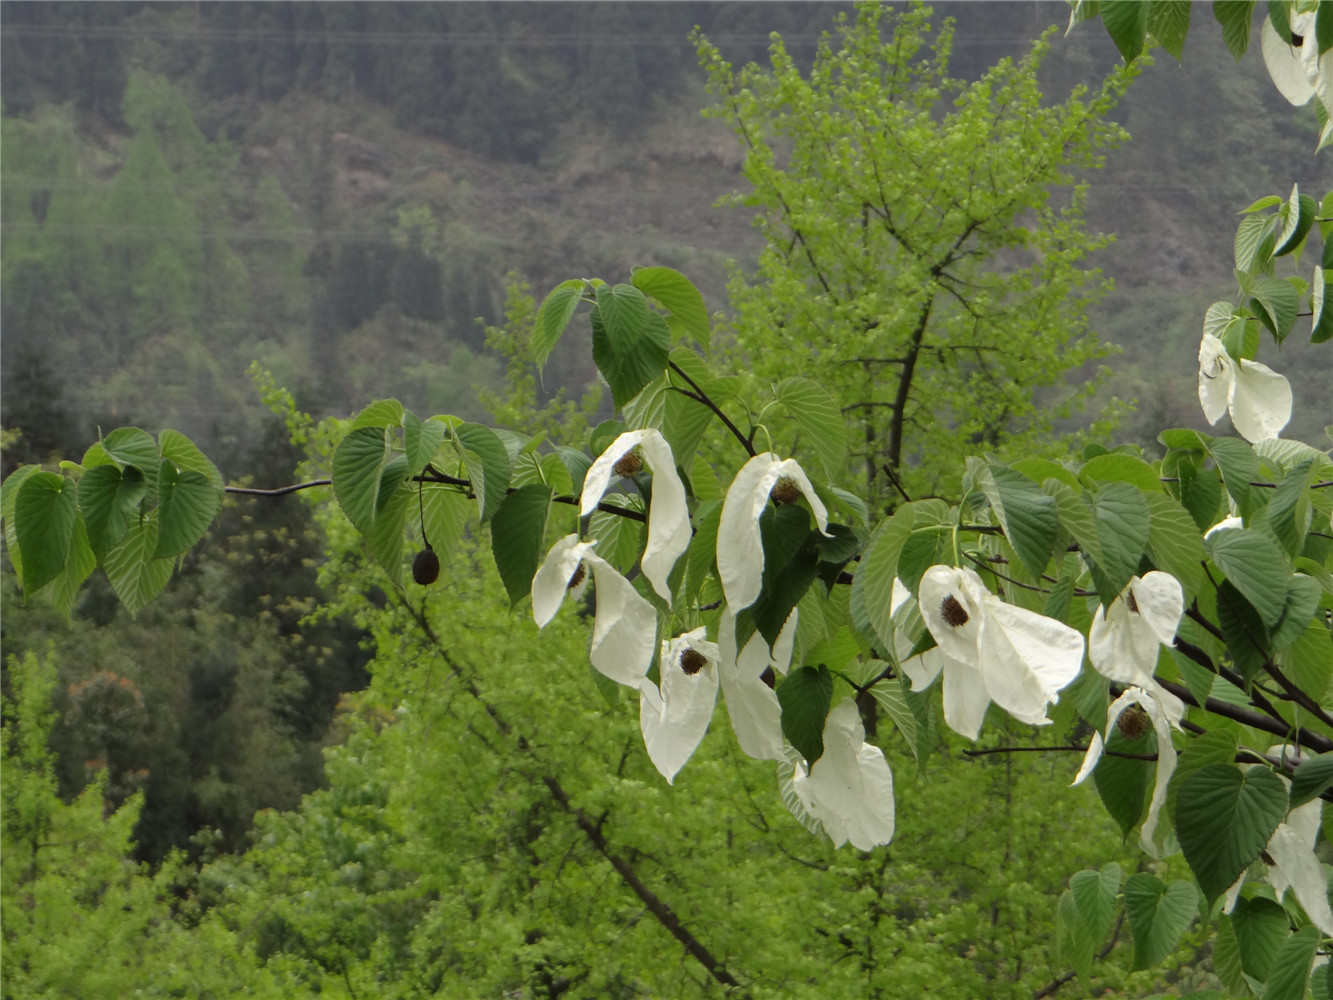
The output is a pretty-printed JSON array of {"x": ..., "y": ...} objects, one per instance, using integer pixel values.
[
  {"x": 579, "y": 575},
  {"x": 1133, "y": 722},
  {"x": 629, "y": 464},
  {"x": 785, "y": 490},
  {"x": 953, "y": 613},
  {"x": 692, "y": 661}
]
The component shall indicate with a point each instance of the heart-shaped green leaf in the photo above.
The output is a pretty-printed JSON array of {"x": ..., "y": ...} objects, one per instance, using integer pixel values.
[
  {"x": 1159, "y": 912},
  {"x": 1224, "y": 818},
  {"x": 805, "y": 695}
]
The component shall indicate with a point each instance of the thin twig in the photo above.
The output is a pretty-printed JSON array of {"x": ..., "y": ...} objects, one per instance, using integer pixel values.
[
  {"x": 1292, "y": 692},
  {"x": 280, "y": 491},
  {"x": 702, "y": 397},
  {"x": 1195, "y": 615},
  {"x": 441, "y": 479},
  {"x": 609, "y": 508},
  {"x": 984, "y": 564},
  {"x": 1263, "y": 486},
  {"x": 1055, "y": 984},
  {"x": 895, "y": 481},
  {"x": 1071, "y": 748}
]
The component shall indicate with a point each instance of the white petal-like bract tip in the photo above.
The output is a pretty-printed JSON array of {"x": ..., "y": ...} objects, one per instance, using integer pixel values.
[
  {"x": 1296, "y": 865},
  {"x": 1260, "y": 402},
  {"x": 1091, "y": 758},
  {"x": 740, "y": 549},
  {"x": 1026, "y": 659},
  {"x": 668, "y": 512},
  {"x": 625, "y": 630},
  {"x": 752, "y": 706},
  {"x": 851, "y": 784},
  {"x": 1226, "y": 524},
  {"x": 1124, "y": 639},
  {"x": 674, "y": 715},
  {"x": 1258, "y": 398},
  {"x": 1161, "y": 602},
  {"x": 551, "y": 581},
  {"x": 1285, "y": 63}
]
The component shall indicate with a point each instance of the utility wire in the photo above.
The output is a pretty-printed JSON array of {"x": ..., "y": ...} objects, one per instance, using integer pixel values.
[{"x": 461, "y": 38}]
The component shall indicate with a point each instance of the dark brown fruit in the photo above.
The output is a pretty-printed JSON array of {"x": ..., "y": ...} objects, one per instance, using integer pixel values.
[{"x": 426, "y": 567}]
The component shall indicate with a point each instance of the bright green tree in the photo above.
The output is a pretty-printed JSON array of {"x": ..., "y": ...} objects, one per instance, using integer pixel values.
[
  {"x": 924, "y": 253},
  {"x": 82, "y": 918},
  {"x": 487, "y": 792}
]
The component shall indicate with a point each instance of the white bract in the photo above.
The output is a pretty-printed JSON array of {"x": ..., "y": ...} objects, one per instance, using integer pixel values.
[
  {"x": 1295, "y": 865},
  {"x": 1226, "y": 524},
  {"x": 752, "y": 705},
  {"x": 964, "y": 689},
  {"x": 850, "y": 788},
  {"x": 740, "y": 548},
  {"x": 1166, "y": 755},
  {"x": 1017, "y": 658},
  {"x": 1258, "y": 398},
  {"x": 674, "y": 714},
  {"x": 965, "y": 697},
  {"x": 668, "y": 515},
  {"x": 1297, "y": 68},
  {"x": 1124, "y": 638},
  {"x": 626, "y": 625}
]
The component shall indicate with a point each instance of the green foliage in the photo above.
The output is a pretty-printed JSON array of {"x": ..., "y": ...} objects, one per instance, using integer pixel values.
[
  {"x": 378, "y": 872},
  {"x": 82, "y": 918},
  {"x": 474, "y": 742},
  {"x": 215, "y": 699},
  {"x": 517, "y": 406},
  {"x": 143, "y": 503},
  {"x": 1105, "y": 506},
  {"x": 914, "y": 252},
  {"x": 1087, "y": 908},
  {"x": 1159, "y": 912},
  {"x": 1224, "y": 818},
  {"x": 517, "y": 535},
  {"x": 1109, "y": 491},
  {"x": 1312, "y": 778},
  {"x": 805, "y": 696},
  {"x": 1124, "y": 783}
]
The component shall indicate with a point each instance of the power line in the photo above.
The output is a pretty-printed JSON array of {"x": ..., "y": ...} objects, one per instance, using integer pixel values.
[
  {"x": 542, "y": 40},
  {"x": 256, "y": 234},
  {"x": 463, "y": 38},
  {"x": 40, "y": 182}
]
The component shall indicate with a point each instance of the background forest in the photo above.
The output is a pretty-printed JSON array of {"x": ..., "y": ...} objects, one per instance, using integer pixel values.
[{"x": 277, "y": 779}]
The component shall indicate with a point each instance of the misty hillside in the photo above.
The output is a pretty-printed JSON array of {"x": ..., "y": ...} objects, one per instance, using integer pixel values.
[{"x": 341, "y": 192}]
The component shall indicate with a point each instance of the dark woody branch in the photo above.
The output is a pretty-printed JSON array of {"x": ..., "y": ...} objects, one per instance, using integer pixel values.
[{"x": 430, "y": 476}]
